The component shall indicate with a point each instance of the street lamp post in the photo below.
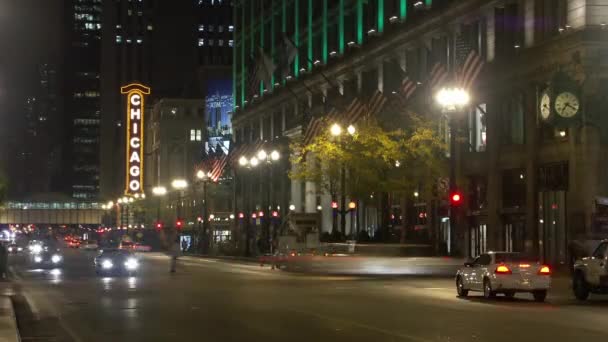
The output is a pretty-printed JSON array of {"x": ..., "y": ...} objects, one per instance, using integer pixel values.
[
  {"x": 337, "y": 131},
  {"x": 204, "y": 177},
  {"x": 179, "y": 185},
  {"x": 452, "y": 101},
  {"x": 158, "y": 191}
]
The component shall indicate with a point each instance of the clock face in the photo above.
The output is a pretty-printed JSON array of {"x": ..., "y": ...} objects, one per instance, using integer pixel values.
[
  {"x": 567, "y": 104},
  {"x": 545, "y": 106}
]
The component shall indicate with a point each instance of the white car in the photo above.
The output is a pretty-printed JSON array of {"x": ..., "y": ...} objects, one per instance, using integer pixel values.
[
  {"x": 90, "y": 245},
  {"x": 138, "y": 247},
  {"x": 506, "y": 273}
]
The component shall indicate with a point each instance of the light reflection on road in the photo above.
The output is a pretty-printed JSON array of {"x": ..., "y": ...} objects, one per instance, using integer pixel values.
[
  {"x": 132, "y": 281},
  {"x": 107, "y": 283}
]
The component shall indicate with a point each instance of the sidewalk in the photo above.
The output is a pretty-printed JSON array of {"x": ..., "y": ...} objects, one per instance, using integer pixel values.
[{"x": 9, "y": 332}]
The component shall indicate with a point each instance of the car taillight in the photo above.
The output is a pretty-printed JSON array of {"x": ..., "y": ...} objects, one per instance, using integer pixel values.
[
  {"x": 544, "y": 270},
  {"x": 502, "y": 269},
  {"x": 524, "y": 265}
]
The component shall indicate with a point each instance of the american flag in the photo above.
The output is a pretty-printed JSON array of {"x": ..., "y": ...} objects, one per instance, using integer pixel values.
[
  {"x": 218, "y": 167},
  {"x": 317, "y": 125},
  {"x": 353, "y": 113},
  {"x": 469, "y": 62},
  {"x": 376, "y": 103},
  {"x": 438, "y": 75},
  {"x": 408, "y": 87}
]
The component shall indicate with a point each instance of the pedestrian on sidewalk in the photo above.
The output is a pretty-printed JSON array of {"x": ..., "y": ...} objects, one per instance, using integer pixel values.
[{"x": 174, "y": 252}]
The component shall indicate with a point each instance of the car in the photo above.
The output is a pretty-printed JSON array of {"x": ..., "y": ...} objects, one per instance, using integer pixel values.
[
  {"x": 504, "y": 272},
  {"x": 47, "y": 258},
  {"x": 89, "y": 245},
  {"x": 35, "y": 246},
  {"x": 140, "y": 247},
  {"x": 14, "y": 248},
  {"x": 590, "y": 274},
  {"x": 74, "y": 244},
  {"x": 116, "y": 261},
  {"x": 126, "y": 245}
]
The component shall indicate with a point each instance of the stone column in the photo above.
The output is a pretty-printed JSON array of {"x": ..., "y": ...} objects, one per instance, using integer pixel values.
[{"x": 296, "y": 192}]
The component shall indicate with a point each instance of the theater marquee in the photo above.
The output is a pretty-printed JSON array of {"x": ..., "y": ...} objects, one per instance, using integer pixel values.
[{"x": 135, "y": 137}]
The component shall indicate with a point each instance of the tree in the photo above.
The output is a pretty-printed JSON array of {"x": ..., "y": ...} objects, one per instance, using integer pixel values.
[{"x": 377, "y": 159}]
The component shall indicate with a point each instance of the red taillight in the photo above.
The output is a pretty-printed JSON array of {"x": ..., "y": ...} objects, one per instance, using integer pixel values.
[
  {"x": 544, "y": 270},
  {"x": 502, "y": 269},
  {"x": 524, "y": 265}
]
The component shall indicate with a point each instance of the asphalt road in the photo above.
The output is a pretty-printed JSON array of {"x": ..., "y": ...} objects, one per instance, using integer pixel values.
[{"x": 208, "y": 300}]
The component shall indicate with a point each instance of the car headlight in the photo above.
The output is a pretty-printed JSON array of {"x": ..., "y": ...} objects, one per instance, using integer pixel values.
[
  {"x": 10, "y": 249},
  {"x": 107, "y": 264},
  {"x": 37, "y": 259},
  {"x": 56, "y": 258},
  {"x": 19, "y": 249},
  {"x": 131, "y": 264},
  {"x": 36, "y": 249}
]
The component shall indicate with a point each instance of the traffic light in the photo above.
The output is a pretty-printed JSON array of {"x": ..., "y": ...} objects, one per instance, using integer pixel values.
[
  {"x": 455, "y": 199},
  {"x": 179, "y": 224},
  {"x": 334, "y": 204},
  {"x": 159, "y": 226}
]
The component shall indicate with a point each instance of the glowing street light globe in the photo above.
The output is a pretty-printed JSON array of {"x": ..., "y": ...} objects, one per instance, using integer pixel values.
[
  {"x": 262, "y": 155},
  {"x": 335, "y": 130},
  {"x": 451, "y": 98},
  {"x": 243, "y": 161},
  {"x": 254, "y": 161},
  {"x": 200, "y": 174},
  {"x": 275, "y": 155},
  {"x": 351, "y": 130}
]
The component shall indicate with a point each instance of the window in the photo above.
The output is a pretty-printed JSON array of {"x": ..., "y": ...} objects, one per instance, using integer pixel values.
[
  {"x": 201, "y": 28},
  {"x": 514, "y": 188},
  {"x": 220, "y": 42},
  {"x": 119, "y": 39},
  {"x": 600, "y": 251},
  {"x": 139, "y": 40},
  {"x": 231, "y": 43},
  {"x": 231, "y": 28},
  {"x": 150, "y": 27},
  {"x": 210, "y": 42},
  {"x": 196, "y": 135},
  {"x": 201, "y": 42},
  {"x": 513, "y": 120},
  {"x": 129, "y": 12},
  {"x": 484, "y": 260},
  {"x": 478, "y": 129},
  {"x": 211, "y": 28},
  {"x": 220, "y": 28}
]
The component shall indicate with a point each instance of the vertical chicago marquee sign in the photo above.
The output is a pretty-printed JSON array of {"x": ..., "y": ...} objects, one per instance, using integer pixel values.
[{"x": 134, "y": 179}]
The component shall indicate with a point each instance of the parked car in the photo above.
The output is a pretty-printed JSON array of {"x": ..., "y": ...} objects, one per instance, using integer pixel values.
[
  {"x": 591, "y": 273},
  {"x": 506, "y": 273},
  {"x": 89, "y": 245},
  {"x": 140, "y": 247}
]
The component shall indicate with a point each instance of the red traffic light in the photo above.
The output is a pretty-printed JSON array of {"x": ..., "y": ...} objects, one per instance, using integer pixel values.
[
  {"x": 275, "y": 214},
  {"x": 159, "y": 225},
  {"x": 179, "y": 224},
  {"x": 456, "y": 198},
  {"x": 334, "y": 205}
]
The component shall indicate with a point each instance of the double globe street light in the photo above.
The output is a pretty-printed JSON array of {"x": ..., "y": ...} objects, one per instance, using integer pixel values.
[
  {"x": 337, "y": 131},
  {"x": 259, "y": 159},
  {"x": 453, "y": 101}
]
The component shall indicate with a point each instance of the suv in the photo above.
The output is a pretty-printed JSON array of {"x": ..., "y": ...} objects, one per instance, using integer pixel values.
[{"x": 591, "y": 273}]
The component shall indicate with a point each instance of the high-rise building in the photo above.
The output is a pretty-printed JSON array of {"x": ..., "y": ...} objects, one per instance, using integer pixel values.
[
  {"x": 82, "y": 100},
  {"x": 215, "y": 44}
]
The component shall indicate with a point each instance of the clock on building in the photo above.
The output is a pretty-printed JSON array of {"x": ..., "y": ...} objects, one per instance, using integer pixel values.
[
  {"x": 567, "y": 104},
  {"x": 545, "y": 105}
]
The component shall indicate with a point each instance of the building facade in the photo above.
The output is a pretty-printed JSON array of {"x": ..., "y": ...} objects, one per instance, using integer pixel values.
[
  {"x": 530, "y": 176},
  {"x": 82, "y": 100}
]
